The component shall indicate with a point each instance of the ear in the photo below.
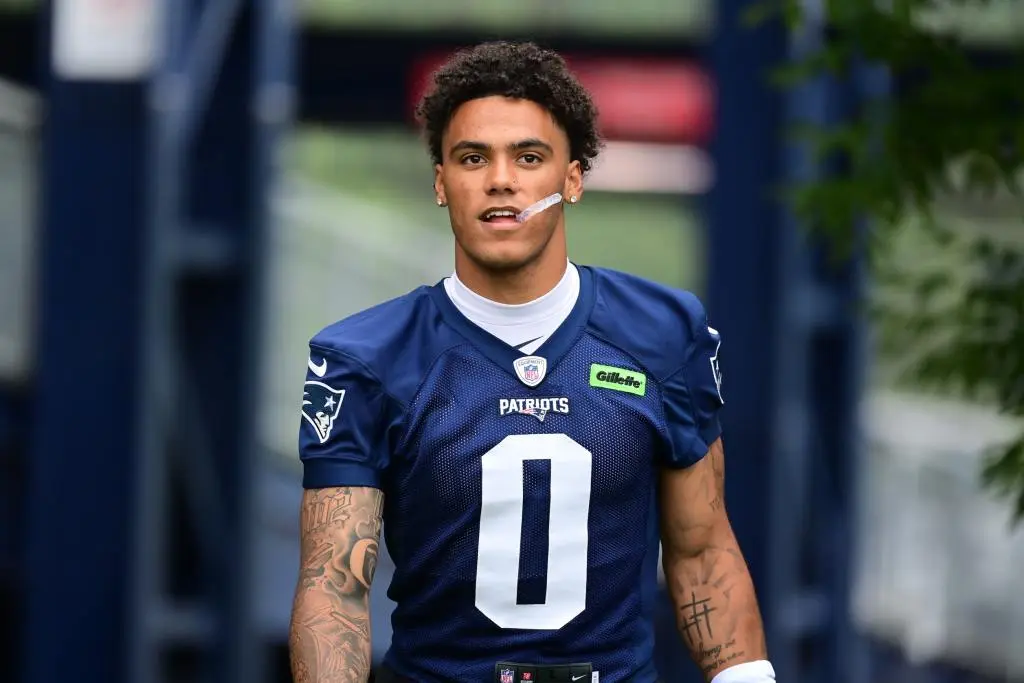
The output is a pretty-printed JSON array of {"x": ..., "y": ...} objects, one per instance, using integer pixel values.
[
  {"x": 439, "y": 185},
  {"x": 573, "y": 186}
]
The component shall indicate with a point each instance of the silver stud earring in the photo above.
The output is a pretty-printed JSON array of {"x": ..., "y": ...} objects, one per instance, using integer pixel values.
[
  {"x": 572, "y": 199},
  {"x": 440, "y": 202}
]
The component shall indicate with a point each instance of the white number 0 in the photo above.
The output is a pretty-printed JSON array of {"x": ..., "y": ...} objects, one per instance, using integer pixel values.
[{"x": 501, "y": 523}]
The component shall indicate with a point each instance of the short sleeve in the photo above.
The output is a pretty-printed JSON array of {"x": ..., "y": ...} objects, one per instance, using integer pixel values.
[
  {"x": 342, "y": 432},
  {"x": 692, "y": 398}
]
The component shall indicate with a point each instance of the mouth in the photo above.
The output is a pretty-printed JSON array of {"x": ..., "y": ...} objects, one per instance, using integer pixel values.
[{"x": 500, "y": 215}]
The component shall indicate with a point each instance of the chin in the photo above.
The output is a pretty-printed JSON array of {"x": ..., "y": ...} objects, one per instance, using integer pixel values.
[{"x": 503, "y": 259}]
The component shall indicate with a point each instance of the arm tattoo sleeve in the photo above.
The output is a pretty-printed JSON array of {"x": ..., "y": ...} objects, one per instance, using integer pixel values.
[
  {"x": 330, "y": 631},
  {"x": 716, "y": 609}
]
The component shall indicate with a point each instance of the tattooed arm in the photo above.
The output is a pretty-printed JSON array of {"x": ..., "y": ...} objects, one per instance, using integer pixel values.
[
  {"x": 707, "y": 577},
  {"x": 329, "y": 638}
]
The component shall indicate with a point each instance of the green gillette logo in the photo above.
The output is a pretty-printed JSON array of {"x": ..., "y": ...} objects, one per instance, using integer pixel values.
[{"x": 619, "y": 379}]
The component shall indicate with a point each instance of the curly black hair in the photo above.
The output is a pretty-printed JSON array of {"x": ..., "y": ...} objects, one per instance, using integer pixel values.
[{"x": 519, "y": 70}]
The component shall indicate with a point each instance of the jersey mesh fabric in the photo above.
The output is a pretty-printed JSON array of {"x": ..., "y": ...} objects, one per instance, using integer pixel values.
[{"x": 433, "y": 507}]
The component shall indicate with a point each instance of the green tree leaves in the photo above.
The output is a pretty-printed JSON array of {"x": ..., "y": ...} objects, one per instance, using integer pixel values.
[{"x": 935, "y": 171}]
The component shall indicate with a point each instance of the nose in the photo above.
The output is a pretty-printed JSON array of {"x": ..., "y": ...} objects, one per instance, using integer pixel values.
[{"x": 501, "y": 177}]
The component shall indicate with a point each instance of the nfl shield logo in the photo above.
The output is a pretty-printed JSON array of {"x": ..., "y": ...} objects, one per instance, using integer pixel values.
[
  {"x": 531, "y": 369},
  {"x": 508, "y": 676}
]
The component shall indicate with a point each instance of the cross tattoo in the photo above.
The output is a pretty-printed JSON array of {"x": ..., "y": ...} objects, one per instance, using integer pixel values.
[{"x": 693, "y": 612}]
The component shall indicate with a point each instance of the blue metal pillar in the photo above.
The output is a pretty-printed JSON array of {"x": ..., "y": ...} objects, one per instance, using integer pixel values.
[
  {"x": 81, "y": 462},
  {"x": 744, "y": 289}
]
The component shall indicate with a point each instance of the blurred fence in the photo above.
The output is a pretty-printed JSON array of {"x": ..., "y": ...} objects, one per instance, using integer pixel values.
[
  {"x": 19, "y": 144},
  {"x": 940, "y": 573}
]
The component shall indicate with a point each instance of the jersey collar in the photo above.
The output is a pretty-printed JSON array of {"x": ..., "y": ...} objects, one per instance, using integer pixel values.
[{"x": 503, "y": 355}]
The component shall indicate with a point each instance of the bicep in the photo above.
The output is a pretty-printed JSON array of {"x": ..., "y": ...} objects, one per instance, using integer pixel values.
[
  {"x": 340, "y": 531},
  {"x": 693, "y": 503}
]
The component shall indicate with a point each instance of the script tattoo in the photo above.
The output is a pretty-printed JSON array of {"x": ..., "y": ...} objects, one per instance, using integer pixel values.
[{"x": 329, "y": 638}]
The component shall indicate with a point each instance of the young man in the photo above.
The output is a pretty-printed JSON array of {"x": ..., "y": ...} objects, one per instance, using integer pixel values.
[{"x": 526, "y": 431}]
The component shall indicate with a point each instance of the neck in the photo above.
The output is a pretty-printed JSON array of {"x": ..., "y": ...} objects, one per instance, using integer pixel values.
[{"x": 518, "y": 285}]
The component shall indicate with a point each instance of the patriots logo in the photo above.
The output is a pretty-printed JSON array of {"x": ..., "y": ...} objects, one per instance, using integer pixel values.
[
  {"x": 320, "y": 407},
  {"x": 539, "y": 413}
]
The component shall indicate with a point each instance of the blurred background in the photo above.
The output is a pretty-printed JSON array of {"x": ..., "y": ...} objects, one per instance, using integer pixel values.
[{"x": 190, "y": 189}]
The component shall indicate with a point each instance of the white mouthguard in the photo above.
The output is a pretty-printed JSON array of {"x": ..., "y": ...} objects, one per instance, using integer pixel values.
[{"x": 537, "y": 207}]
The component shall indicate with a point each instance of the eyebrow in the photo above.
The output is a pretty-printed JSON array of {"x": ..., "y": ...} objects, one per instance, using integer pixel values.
[{"x": 518, "y": 146}]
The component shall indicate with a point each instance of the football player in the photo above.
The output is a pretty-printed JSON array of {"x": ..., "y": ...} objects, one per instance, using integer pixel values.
[{"x": 525, "y": 431}]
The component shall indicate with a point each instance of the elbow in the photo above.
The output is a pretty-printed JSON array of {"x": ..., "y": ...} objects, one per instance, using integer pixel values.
[
  {"x": 675, "y": 558},
  {"x": 686, "y": 557},
  {"x": 693, "y": 542},
  {"x": 303, "y": 605},
  {"x": 311, "y": 601}
]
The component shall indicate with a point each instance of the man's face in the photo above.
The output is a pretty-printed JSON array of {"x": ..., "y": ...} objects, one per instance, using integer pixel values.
[{"x": 503, "y": 153}]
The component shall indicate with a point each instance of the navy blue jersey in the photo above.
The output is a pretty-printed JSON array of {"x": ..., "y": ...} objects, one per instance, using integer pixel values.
[{"x": 520, "y": 499}]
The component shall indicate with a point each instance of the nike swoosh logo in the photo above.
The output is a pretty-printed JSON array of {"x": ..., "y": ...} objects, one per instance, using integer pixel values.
[
  {"x": 527, "y": 343},
  {"x": 576, "y": 678},
  {"x": 318, "y": 370}
]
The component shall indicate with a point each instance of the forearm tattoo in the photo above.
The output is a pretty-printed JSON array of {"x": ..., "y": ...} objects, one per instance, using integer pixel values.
[
  {"x": 329, "y": 638},
  {"x": 717, "y": 613}
]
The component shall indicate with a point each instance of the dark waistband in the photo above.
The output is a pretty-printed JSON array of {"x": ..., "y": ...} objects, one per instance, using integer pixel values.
[{"x": 512, "y": 672}]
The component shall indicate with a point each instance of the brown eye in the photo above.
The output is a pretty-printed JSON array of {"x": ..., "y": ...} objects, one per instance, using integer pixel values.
[
  {"x": 530, "y": 158},
  {"x": 472, "y": 159}
]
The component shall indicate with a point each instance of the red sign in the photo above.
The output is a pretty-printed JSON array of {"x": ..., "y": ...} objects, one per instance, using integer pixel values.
[{"x": 641, "y": 99}]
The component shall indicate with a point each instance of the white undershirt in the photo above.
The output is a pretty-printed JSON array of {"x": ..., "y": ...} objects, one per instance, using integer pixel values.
[{"x": 523, "y": 326}]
